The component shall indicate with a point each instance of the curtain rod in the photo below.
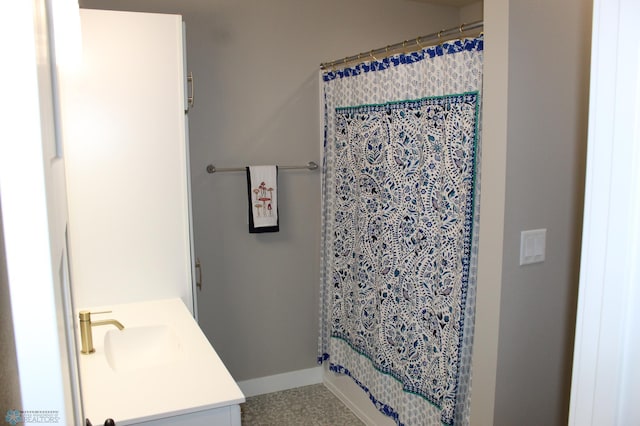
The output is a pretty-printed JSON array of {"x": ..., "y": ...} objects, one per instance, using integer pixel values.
[
  {"x": 212, "y": 169},
  {"x": 416, "y": 42}
]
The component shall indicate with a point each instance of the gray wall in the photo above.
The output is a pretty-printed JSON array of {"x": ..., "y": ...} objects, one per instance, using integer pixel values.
[
  {"x": 261, "y": 106},
  {"x": 9, "y": 380},
  {"x": 257, "y": 102},
  {"x": 548, "y": 87}
]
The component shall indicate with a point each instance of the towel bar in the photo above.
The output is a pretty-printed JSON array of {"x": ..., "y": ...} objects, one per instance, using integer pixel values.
[{"x": 212, "y": 169}]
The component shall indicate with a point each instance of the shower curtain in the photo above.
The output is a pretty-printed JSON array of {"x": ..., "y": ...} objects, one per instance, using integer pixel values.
[{"x": 399, "y": 228}]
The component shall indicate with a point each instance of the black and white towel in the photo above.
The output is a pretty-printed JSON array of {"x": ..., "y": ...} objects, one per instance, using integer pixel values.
[{"x": 262, "y": 185}]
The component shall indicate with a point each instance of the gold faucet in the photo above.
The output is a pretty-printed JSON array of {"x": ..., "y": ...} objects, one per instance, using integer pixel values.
[{"x": 85, "y": 329}]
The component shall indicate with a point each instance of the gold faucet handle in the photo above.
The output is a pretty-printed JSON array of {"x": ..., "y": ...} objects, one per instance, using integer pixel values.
[{"x": 86, "y": 315}]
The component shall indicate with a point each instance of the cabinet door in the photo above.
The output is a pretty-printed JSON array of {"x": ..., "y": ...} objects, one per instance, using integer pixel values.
[
  {"x": 35, "y": 302},
  {"x": 126, "y": 158}
]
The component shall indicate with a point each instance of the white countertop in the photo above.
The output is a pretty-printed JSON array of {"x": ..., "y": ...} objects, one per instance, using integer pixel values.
[{"x": 197, "y": 381}]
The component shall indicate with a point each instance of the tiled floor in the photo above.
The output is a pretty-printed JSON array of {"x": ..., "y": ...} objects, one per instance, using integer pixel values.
[{"x": 306, "y": 406}]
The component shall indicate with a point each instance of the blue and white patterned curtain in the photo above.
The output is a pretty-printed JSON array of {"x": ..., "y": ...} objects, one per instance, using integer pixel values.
[{"x": 400, "y": 215}]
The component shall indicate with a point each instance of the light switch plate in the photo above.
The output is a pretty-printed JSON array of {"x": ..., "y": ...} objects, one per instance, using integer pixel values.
[{"x": 532, "y": 246}]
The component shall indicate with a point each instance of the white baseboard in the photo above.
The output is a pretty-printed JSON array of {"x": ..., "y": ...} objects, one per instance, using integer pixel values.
[{"x": 280, "y": 382}]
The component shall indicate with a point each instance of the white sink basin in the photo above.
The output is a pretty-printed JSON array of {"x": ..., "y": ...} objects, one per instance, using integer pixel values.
[{"x": 139, "y": 348}]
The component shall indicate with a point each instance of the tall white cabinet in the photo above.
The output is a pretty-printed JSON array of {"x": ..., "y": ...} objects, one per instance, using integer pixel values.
[
  {"x": 124, "y": 132},
  {"x": 126, "y": 154}
]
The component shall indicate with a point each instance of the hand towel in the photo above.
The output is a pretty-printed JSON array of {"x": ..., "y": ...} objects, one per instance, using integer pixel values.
[{"x": 262, "y": 185}]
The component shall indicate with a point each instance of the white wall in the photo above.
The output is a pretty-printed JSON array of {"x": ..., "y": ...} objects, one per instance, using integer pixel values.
[{"x": 10, "y": 391}]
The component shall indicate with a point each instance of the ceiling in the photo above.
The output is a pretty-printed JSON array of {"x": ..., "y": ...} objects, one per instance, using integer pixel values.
[{"x": 457, "y": 3}]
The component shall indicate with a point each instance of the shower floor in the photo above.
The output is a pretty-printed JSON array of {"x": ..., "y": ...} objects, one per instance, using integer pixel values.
[{"x": 311, "y": 405}]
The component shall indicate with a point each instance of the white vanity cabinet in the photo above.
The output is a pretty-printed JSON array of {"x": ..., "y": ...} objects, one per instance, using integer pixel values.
[
  {"x": 217, "y": 416},
  {"x": 124, "y": 132}
]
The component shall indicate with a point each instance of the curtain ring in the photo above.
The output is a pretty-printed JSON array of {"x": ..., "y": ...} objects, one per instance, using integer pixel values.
[
  {"x": 462, "y": 33},
  {"x": 371, "y": 54},
  {"x": 418, "y": 43}
]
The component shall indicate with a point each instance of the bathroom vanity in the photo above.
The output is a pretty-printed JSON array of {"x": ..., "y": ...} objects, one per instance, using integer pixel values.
[{"x": 158, "y": 370}]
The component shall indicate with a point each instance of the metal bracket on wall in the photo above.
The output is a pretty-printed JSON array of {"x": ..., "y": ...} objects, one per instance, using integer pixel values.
[{"x": 192, "y": 94}]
